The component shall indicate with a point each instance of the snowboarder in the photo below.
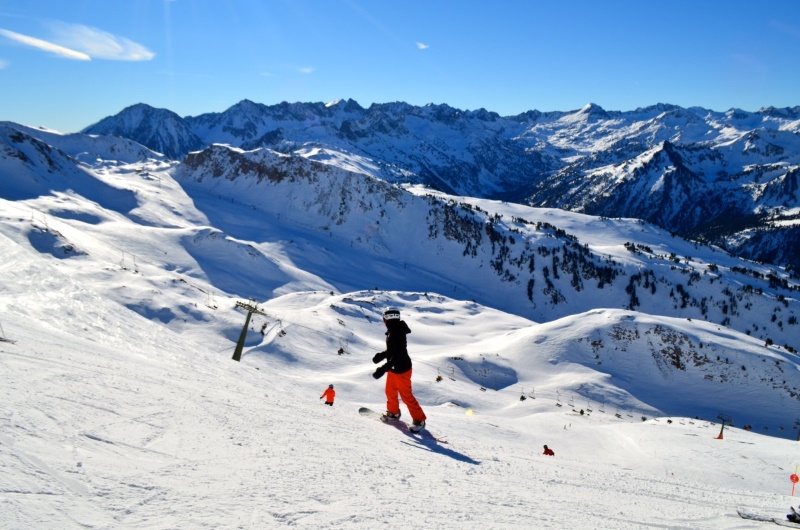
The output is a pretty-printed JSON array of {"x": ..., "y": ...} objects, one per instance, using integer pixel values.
[
  {"x": 398, "y": 366},
  {"x": 794, "y": 516},
  {"x": 548, "y": 451},
  {"x": 329, "y": 394}
]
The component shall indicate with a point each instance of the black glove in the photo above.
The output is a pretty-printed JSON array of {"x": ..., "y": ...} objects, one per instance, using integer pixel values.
[
  {"x": 379, "y": 357},
  {"x": 380, "y": 371}
]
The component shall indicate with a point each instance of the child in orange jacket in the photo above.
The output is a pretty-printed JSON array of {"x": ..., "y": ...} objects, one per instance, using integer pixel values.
[{"x": 329, "y": 394}]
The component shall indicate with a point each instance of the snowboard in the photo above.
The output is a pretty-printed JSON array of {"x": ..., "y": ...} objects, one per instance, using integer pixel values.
[
  {"x": 424, "y": 434},
  {"x": 747, "y": 513}
]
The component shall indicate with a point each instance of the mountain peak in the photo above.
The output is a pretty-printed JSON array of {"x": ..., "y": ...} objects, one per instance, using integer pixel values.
[
  {"x": 247, "y": 106},
  {"x": 593, "y": 110},
  {"x": 159, "y": 129},
  {"x": 346, "y": 105}
]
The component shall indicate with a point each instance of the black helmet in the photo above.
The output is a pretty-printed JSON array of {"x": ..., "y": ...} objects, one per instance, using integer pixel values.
[{"x": 330, "y": 386}]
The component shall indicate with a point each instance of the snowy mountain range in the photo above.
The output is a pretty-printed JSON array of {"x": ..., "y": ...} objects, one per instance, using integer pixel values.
[
  {"x": 730, "y": 179},
  {"x": 125, "y": 274},
  {"x": 322, "y": 220}
]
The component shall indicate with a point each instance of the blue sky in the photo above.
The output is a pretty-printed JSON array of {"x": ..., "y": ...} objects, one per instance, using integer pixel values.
[{"x": 68, "y": 64}]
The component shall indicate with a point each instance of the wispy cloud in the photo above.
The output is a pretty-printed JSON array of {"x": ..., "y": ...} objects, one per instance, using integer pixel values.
[
  {"x": 83, "y": 43},
  {"x": 422, "y": 46},
  {"x": 3, "y": 64},
  {"x": 306, "y": 70},
  {"x": 99, "y": 44},
  {"x": 45, "y": 46}
]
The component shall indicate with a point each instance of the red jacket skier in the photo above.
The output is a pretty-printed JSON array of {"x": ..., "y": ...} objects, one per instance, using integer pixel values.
[
  {"x": 329, "y": 394},
  {"x": 398, "y": 368},
  {"x": 548, "y": 451}
]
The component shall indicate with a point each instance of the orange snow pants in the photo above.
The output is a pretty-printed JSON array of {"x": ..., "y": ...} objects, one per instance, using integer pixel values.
[{"x": 401, "y": 384}]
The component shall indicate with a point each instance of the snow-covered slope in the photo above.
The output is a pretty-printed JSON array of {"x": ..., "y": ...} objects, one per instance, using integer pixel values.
[
  {"x": 112, "y": 420},
  {"x": 539, "y": 263},
  {"x": 121, "y": 406}
]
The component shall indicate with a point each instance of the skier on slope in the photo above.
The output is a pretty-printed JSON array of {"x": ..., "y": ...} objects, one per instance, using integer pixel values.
[
  {"x": 548, "y": 451},
  {"x": 329, "y": 394},
  {"x": 398, "y": 367}
]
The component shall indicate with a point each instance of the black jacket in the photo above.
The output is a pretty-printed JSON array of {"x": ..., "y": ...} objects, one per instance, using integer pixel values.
[{"x": 396, "y": 354}]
